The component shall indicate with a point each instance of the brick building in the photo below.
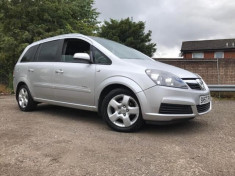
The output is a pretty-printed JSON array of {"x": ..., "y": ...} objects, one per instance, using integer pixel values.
[{"x": 208, "y": 49}]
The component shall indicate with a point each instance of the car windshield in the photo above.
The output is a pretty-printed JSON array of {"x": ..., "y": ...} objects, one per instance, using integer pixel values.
[{"x": 122, "y": 51}]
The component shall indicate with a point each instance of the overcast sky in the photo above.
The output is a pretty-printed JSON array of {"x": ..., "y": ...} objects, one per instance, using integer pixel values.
[{"x": 174, "y": 21}]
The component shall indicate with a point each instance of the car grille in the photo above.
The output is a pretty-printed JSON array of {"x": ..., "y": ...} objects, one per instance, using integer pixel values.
[
  {"x": 175, "y": 109},
  {"x": 203, "y": 108},
  {"x": 195, "y": 86}
]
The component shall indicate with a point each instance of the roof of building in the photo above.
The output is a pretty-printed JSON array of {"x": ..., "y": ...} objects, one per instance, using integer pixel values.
[{"x": 220, "y": 44}]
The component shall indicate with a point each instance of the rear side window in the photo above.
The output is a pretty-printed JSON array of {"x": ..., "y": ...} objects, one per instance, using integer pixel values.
[
  {"x": 48, "y": 51},
  {"x": 29, "y": 55}
]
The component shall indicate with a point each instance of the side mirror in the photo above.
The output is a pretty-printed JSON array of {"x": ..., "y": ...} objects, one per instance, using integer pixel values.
[{"x": 82, "y": 56}]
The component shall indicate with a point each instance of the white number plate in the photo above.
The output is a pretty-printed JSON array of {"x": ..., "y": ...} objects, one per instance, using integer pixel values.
[{"x": 204, "y": 99}]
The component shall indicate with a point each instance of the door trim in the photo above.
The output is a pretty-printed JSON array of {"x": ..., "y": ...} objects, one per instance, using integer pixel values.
[
  {"x": 73, "y": 88},
  {"x": 66, "y": 104}
]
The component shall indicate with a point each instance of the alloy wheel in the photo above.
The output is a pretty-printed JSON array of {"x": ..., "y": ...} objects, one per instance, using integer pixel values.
[
  {"x": 123, "y": 110},
  {"x": 23, "y": 98}
]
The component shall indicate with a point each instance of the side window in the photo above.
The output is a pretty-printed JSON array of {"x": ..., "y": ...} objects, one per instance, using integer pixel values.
[
  {"x": 29, "y": 55},
  {"x": 99, "y": 57},
  {"x": 48, "y": 51},
  {"x": 72, "y": 46}
]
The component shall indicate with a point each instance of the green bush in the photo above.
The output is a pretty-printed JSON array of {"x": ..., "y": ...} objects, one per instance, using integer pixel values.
[{"x": 23, "y": 22}]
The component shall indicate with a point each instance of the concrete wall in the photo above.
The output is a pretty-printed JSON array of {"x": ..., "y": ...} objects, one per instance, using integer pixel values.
[{"x": 213, "y": 71}]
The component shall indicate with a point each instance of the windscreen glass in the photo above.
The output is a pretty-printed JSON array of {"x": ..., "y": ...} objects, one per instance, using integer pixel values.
[{"x": 122, "y": 51}]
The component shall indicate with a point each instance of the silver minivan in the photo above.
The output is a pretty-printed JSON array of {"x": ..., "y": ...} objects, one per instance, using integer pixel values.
[{"x": 122, "y": 84}]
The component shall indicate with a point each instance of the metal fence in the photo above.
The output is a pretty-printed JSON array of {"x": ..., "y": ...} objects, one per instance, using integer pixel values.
[{"x": 222, "y": 88}]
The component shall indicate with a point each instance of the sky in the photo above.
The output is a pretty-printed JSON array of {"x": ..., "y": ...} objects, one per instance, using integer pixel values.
[{"x": 174, "y": 21}]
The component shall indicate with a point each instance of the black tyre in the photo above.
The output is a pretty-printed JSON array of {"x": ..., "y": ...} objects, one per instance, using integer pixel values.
[
  {"x": 121, "y": 111},
  {"x": 24, "y": 99}
]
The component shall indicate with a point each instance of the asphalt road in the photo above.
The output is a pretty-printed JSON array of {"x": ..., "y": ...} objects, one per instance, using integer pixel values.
[{"x": 61, "y": 141}]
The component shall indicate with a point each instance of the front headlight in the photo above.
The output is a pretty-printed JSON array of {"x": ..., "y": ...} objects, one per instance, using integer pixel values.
[{"x": 163, "y": 78}]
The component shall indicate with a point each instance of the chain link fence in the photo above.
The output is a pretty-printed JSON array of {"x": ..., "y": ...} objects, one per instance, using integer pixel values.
[
  {"x": 6, "y": 81},
  {"x": 3, "y": 76}
]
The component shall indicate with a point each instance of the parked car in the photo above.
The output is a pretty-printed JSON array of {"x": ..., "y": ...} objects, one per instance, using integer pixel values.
[{"x": 122, "y": 84}]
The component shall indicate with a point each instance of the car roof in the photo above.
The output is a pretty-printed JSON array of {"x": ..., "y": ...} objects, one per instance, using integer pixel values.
[{"x": 64, "y": 36}]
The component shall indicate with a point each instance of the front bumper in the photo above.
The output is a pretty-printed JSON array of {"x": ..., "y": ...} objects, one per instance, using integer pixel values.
[{"x": 152, "y": 98}]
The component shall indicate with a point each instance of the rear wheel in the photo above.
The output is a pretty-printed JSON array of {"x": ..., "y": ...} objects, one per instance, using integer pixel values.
[
  {"x": 24, "y": 99},
  {"x": 121, "y": 111}
]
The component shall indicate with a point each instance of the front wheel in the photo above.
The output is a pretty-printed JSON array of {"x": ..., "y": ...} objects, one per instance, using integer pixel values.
[{"x": 121, "y": 111}]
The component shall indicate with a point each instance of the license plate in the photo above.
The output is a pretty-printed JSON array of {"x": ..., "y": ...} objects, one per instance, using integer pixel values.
[{"x": 205, "y": 99}]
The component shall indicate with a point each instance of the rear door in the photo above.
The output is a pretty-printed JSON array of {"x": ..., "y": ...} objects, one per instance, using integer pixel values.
[
  {"x": 74, "y": 79},
  {"x": 23, "y": 68},
  {"x": 41, "y": 70}
]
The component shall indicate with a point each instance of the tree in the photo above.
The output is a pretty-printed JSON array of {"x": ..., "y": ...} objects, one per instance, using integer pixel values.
[
  {"x": 129, "y": 33},
  {"x": 25, "y": 21}
]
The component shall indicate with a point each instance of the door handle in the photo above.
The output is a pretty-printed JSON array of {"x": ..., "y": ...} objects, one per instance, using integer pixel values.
[
  {"x": 31, "y": 70},
  {"x": 59, "y": 71}
]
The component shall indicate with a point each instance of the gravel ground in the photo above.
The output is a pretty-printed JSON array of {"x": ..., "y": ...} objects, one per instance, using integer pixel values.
[{"x": 61, "y": 141}]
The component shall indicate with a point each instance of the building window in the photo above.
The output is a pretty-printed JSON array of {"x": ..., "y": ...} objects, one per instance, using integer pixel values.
[
  {"x": 198, "y": 55},
  {"x": 219, "y": 55}
]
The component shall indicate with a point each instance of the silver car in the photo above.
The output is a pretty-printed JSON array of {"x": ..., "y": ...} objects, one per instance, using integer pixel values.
[{"x": 123, "y": 85}]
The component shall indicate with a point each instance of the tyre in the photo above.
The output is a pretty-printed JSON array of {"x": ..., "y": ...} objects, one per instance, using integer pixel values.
[
  {"x": 121, "y": 111},
  {"x": 24, "y": 99}
]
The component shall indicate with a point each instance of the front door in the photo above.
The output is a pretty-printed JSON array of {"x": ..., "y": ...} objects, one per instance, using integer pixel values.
[{"x": 73, "y": 78}]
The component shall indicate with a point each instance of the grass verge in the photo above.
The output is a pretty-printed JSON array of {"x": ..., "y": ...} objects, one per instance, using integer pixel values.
[{"x": 4, "y": 90}]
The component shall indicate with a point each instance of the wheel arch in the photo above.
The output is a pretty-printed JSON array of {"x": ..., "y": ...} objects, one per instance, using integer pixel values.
[
  {"x": 19, "y": 85},
  {"x": 114, "y": 83},
  {"x": 23, "y": 81}
]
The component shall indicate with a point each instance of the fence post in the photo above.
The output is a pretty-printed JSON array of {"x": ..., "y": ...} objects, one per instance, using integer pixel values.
[{"x": 218, "y": 74}]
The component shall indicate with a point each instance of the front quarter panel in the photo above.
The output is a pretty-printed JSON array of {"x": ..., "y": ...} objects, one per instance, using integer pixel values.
[{"x": 116, "y": 80}]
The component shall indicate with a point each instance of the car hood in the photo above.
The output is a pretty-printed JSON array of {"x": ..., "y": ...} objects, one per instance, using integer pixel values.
[{"x": 152, "y": 64}]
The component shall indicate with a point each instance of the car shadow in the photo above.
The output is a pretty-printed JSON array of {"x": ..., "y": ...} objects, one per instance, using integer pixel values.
[
  {"x": 186, "y": 127},
  {"x": 69, "y": 113}
]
